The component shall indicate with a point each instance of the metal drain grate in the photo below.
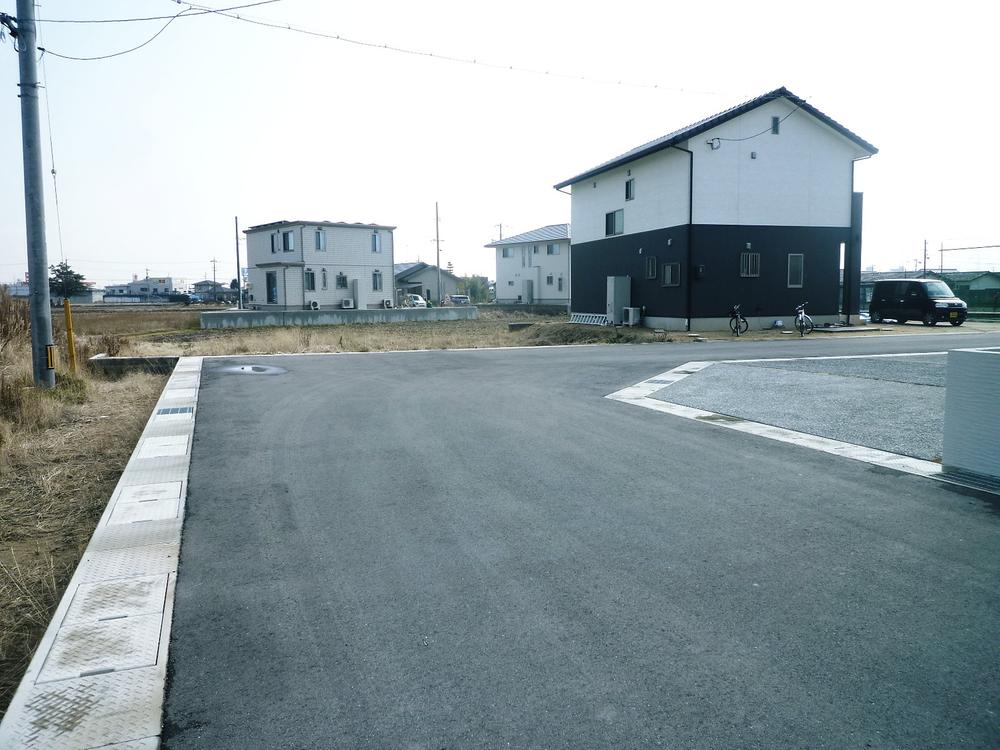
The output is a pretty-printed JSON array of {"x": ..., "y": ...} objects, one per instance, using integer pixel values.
[{"x": 176, "y": 410}]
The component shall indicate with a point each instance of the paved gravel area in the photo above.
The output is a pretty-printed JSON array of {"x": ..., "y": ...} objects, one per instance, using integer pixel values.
[
  {"x": 894, "y": 404},
  {"x": 478, "y": 550}
]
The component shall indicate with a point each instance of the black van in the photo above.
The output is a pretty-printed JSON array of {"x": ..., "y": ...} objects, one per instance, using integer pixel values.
[{"x": 927, "y": 300}]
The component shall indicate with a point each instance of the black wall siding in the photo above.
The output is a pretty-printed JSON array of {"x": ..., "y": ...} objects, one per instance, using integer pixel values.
[{"x": 717, "y": 284}]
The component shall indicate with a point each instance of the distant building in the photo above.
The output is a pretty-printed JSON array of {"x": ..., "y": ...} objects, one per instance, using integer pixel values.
[
  {"x": 140, "y": 289},
  {"x": 534, "y": 267},
  {"x": 209, "y": 289},
  {"x": 301, "y": 265},
  {"x": 422, "y": 278},
  {"x": 752, "y": 206}
]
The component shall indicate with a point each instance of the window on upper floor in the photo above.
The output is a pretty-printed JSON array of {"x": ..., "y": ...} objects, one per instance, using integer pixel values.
[
  {"x": 320, "y": 240},
  {"x": 552, "y": 249},
  {"x": 341, "y": 281},
  {"x": 614, "y": 222},
  {"x": 750, "y": 265},
  {"x": 775, "y": 125},
  {"x": 534, "y": 249},
  {"x": 796, "y": 270},
  {"x": 510, "y": 283},
  {"x": 506, "y": 252},
  {"x": 309, "y": 280},
  {"x": 630, "y": 188},
  {"x": 274, "y": 243},
  {"x": 671, "y": 274},
  {"x": 288, "y": 241},
  {"x": 376, "y": 243}
]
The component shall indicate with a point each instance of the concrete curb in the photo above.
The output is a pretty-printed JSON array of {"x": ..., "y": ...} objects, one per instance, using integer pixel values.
[{"x": 98, "y": 676}]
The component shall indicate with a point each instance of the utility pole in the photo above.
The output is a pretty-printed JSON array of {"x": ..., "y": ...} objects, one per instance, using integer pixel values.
[
  {"x": 437, "y": 244},
  {"x": 215, "y": 289},
  {"x": 42, "y": 349},
  {"x": 500, "y": 227},
  {"x": 239, "y": 274},
  {"x": 925, "y": 258}
]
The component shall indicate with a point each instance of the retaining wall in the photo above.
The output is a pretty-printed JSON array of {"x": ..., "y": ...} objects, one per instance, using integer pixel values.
[{"x": 263, "y": 318}]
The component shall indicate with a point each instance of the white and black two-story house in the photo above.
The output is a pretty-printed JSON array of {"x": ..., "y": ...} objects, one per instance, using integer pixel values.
[{"x": 753, "y": 206}]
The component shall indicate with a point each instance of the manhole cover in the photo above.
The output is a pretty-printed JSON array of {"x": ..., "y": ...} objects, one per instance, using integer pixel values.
[{"x": 253, "y": 370}]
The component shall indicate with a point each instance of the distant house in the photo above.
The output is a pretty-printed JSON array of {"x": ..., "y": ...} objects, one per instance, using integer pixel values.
[
  {"x": 209, "y": 289},
  {"x": 979, "y": 289},
  {"x": 754, "y": 205},
  {"x": 534, "y": 267},
  {"x": 140, "y": 290},
  {"x": 422, "y": 278},
  {"x": 297, "y": 265}
]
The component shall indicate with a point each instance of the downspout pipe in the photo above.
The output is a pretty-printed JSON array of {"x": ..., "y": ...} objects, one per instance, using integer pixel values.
[{"x": 689, "y": 275}]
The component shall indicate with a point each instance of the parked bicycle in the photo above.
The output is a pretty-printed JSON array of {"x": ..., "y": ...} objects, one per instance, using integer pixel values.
[
  {"x": 737, "y": 323},
  {"x": 803, "y": 323}
]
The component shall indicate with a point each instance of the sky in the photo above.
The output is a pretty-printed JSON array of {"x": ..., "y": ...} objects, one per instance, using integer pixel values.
[{"x": 158, "y": 150}]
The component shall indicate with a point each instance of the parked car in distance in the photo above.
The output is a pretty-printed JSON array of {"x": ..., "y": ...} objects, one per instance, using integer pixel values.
[
  {"x": 928, "y": 300},
  {"x": 414, "y": 300},
  {"x": 457, "y": 299}
]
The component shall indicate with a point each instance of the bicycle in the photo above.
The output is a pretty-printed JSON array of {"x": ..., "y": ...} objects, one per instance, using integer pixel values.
[
  {"x": 737, "y": 323},
  {"x": 803, "y": 323}
]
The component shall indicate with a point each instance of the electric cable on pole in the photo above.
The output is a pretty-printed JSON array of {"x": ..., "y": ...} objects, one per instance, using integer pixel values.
[{"x": 43, "y": 351}]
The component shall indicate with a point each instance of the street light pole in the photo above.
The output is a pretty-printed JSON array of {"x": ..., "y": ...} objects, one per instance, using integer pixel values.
[
  {"x": 42, "y": 348},
  {"x": 437, "y": 244}
]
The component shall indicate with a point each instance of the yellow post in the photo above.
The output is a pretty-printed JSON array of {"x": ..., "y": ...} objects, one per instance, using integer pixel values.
[{"x": 70, "y": 339}]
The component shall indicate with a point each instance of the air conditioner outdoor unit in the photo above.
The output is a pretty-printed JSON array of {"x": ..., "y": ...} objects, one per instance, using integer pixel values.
[
  {"x": 313, "y": 305},
  {"x": 347, "y": 304},
  {"x": 633, "y": 316},
  {"x": 387, "y": 304}
]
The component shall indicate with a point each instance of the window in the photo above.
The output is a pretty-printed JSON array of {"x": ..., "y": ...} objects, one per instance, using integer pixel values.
[
  {"x": 510, "y": 283},
  {"x": 341, "y": 281},
  {"x": 288, "y": 241},
  {"x": 534, "y": 249},
  {"x": 274, "y": 243},
  {"x": 320, "y": 240},
  {"x": 651, "y": 267},
  {"x": 323, "y": 275},
  {"x": 775, "y": 125},
  {"x": 376, "y": 280},
  {"x": 507, "y": 252},
  {"x": 376, "y": 243},
  {"x": 309, "y": 279},
  {"x": 552, "y": 249},
  {"x": 671, "y": 274},
  {"x": 795, "y": 269},
  {"x": 630, "y": 188},
  {"x": 548, "y": 280},
  {"x": 560, "y": 283},
  {"x": 750, "y": 265},
  {"x": 272, "y": 287},
  {"x": 614, "y": 222}
]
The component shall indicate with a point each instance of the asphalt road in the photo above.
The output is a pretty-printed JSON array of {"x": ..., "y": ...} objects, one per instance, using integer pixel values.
[{"x": 477, "y": 550}]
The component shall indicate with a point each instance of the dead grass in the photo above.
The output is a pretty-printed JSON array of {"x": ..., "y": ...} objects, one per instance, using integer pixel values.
[{"x": 61, "y": 453}]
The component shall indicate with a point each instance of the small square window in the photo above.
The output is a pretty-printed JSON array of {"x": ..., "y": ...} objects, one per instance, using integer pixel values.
[
  {"x": 750, "y": 265},
  {"x": 671, "y": 274},
  {"x": 510, "y": 283},
  {"x": 614, "y": 222},
  {"x": 630, "y": 188},
  {"x": 507, "y": 252},
  {"x": 796, "y": 270},
  {"x": 552, "y": 249},
  {"x": 548, "y": 280},
  {"x": 341, "y": 281}
]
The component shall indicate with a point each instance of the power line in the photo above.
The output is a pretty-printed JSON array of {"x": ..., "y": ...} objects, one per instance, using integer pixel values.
[{"x": 153, "y": 18}]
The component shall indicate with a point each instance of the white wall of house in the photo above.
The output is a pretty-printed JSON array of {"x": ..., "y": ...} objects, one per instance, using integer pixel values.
[
  {"x": 800, "y": 177},
  {"x": 533, "y": 262},
  {"x": 427, "y": 278},
  {"x": 348, "y": 254}
]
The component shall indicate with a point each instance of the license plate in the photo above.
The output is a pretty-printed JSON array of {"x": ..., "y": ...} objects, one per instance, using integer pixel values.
[{"x": 953, "y": 315}]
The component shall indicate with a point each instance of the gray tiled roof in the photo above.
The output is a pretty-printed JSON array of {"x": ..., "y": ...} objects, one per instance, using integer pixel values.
[
  {"x": 678, "y": 136},
  {"x": 542, "y": 234}
]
